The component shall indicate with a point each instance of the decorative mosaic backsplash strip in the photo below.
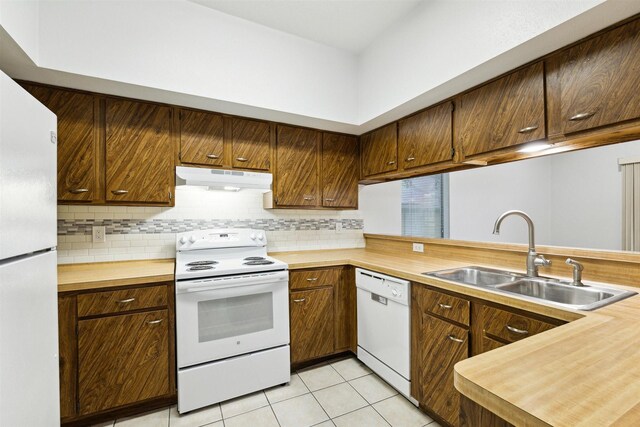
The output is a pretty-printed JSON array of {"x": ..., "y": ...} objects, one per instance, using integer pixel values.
[{"x": 70, "y": 227}]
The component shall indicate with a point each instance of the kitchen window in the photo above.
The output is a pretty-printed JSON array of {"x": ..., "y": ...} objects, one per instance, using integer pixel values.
[{"x": 425, "y": 206}]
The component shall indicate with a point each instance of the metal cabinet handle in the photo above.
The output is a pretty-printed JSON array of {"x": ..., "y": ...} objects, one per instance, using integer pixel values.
[
  {"x": 516, "y": 330},
  {"x": 213, "y": 156},
  {"x": 309, "y": 197},
  {"x": 329, "y": 200},
  {"x": 392, "y": 162},
  {"x": 299, "y": 300},
  {"x": 242, "y": 159},
  {"x": 312, "y": 279},
  {"x": 78, "y": 190},
  {"x": 447, "y": 306},
  {"x": 581, "y": 116},
  {"x": 528, "y": 129},
  {"x": 119, "y": 192},
  {"x": 452, "y": 338},
  {"x": 154, "y": 322},
  {"x": 410, "y": 159},
  {"x": 126, "y": 301}
]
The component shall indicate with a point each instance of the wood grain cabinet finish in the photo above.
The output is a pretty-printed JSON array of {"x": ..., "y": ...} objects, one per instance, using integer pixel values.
[
  {"x": 297, "y": 168},
  {"x": 122, "y": 360},
  {"x": 313, "y": 278},
  {"x": 139, "y": 152},
  {"x": 340, "y": 164},
  {"x": 510, "y": 327},
  {"x": 250, "y": 144},
  {"x": 443, "y": 345},
  {"x": 79, "y": 166},
  {"x": 107, "y": 302},
  {"x": 426, "y": 137},
  {"x": 312, "y": 323},
  {"x": 595, "y": 83},
  {"x": 201, "y": 138},
  {"x": 507, "y": 112},
  {"x": 474, "y": 415},
  {"x": 379, "y": 151},
  {"x": 445, "y": 305}
]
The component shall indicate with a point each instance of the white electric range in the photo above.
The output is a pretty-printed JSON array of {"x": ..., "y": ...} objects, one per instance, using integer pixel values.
[{"x": 232, "y": 316}]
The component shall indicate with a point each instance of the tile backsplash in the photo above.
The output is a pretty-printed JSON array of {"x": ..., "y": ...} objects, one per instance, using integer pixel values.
[{"x": 146, "y": 232}]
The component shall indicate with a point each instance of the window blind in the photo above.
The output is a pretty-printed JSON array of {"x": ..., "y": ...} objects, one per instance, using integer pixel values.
[{"x": 425, "y": 206}]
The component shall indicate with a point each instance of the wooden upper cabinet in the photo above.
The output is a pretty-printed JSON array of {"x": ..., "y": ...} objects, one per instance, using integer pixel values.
[
  {"x": 140, "y": 154},
  {"x": 426, "y": 137},
  {"x": 339, "y": 171},
  {"x": 380, "y": 150},
  {"x": 506, "y": 112},
  {"x": 78, "y": 142},
  {"x": 122, "y": 359},
  {"x": 297, "y": 158},
  {"x": 595, "y": 83},
  {"x": 201, "y": 138},
  {"x": 250, "y": 144}
]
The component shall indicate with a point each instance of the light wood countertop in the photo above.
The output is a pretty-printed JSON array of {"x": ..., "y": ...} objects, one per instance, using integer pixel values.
[
  {"x": 80, "y": 277},
  {"x": 584, "y": 373}
]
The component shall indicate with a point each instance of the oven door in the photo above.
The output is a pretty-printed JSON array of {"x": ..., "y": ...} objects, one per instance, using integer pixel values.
[{"x": 223, "y": 317}]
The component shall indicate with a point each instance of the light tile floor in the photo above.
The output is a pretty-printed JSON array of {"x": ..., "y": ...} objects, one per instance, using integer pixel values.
[{"x": 343, "y": 393}]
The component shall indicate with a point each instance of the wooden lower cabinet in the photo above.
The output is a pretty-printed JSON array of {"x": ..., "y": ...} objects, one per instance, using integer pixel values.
[
  {"x": 119, "y": 358},
  {"x": 322, "y": 312},
  {"x": 474, "y": 415}
]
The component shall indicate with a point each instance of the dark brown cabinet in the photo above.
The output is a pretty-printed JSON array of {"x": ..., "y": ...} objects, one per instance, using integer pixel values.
[
  {"x": 297, "y": 167},
  {"x": 379, "y": 150},
  {"x": 79, "y": 165},
  {"x": 322, "y": 312},
  {"x": 201, "y": 138},
  {"x": 122, "y": 360},
  {"x": 426, "y": 138},
  {"x": 340, "y": 161},
  {"x": 595, "y": 83},
  {"x": 116, "y": 351},
  {"x": 507, "y": 112},
  {"x": 139, "y": 152},
  {"x": 250, "y": 144}
]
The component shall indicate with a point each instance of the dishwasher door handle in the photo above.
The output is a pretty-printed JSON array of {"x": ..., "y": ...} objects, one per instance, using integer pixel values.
[{"x": 378, "y": 298}]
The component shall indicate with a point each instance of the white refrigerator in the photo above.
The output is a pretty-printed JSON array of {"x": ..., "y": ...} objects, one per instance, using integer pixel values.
[{"x": 29, "y": 391}]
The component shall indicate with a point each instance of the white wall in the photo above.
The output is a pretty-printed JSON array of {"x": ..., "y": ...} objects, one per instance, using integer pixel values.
[
  {"x": 477, "y": 197},
  {"x": 380, "y": 208},
  {"x": 180, "y": 46},
  {"x": 20, "y": 19}
]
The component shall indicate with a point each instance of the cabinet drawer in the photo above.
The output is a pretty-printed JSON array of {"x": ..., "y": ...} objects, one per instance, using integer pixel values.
[
  {"x": 510, "y": 326},
  {"x": 489, "y": 344},
  {"x": 447, "y": 306},
  {"x": 313, "y": 278},
  {"x": 122, "y": 300}
]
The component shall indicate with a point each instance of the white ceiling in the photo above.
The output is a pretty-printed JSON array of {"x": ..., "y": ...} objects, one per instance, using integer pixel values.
[{"x": 344, "y": 24}]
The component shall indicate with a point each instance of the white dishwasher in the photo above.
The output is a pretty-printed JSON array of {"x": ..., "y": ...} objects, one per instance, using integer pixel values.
[{"x": 384, "y": 326}]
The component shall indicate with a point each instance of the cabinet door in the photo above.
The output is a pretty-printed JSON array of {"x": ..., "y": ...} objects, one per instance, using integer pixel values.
[
  {"x": 509, "y": 111},
  {"x": 297, "y": 167},
  {"x": 426, "y": 138},
  {"x": 311, "y": 324},
  {"x": 140, "y": 157},
  {"x": 339, "y": 171},
  {"x": 380, "y": 150},
  {"x": 251, "y": 144},
  {"x": 598, "y": 80},
  {"x": 122, "y": 359},
  {"x": 201, "y": 138},
  {"x": 441, "y": 346},
  {"x": 78, "y": 159}
]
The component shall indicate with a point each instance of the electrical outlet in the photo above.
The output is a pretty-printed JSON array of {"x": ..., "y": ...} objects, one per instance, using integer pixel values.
[
  {"x": 418, "y": 247},
  {"x": 338, "y": 227},
  {"x": 99, "y": 234}
]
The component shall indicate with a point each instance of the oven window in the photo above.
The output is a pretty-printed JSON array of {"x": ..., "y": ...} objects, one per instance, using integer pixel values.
[{"x": 234, "y": 316}]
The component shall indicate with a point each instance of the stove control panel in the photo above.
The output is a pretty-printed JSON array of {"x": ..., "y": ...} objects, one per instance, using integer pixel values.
[{"x": 220, "y": 238}]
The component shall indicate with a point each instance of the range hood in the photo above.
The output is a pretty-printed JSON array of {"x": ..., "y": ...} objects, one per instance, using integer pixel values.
[{"x": 219, "y": 179}]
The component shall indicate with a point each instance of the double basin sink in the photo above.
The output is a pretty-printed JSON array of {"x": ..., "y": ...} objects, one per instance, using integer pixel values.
[{"x": 554, "y": 291}]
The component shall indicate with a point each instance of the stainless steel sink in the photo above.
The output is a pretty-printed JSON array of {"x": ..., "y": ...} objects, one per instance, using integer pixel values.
[
  {"x": 477, "y": 276},
  {"x": 558, "y": 292}
]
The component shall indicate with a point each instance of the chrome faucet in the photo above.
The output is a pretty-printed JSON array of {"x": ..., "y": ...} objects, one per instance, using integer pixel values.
[
  {"x": 577, "y": 272},
  {"x": 533, "y": 259}
]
